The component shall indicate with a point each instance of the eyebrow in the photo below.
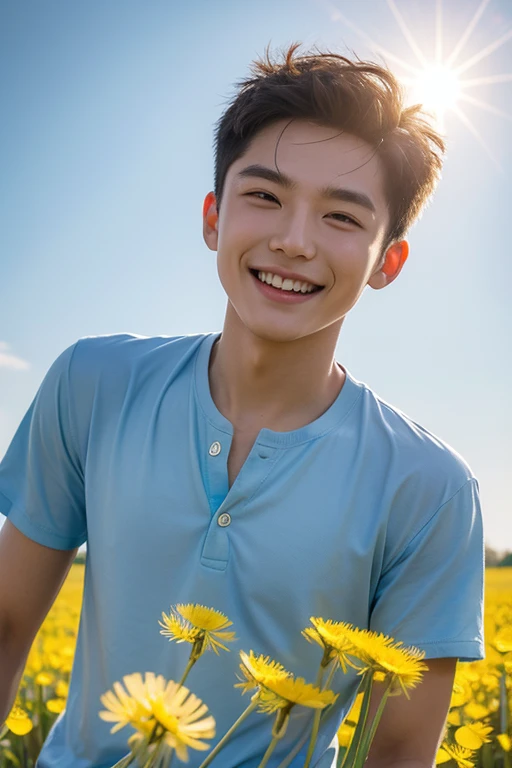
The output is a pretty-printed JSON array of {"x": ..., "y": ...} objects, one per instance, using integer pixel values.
[{"x": 329, "y": 192}]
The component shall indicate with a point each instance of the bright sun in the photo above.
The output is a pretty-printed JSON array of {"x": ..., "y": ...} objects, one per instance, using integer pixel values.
[
  {"x": 437, "y": 88},
  {"x": 436, "y": 82}
]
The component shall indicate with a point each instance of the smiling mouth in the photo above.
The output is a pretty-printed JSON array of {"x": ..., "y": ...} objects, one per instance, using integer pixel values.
[{"x": 286, "y": 285}]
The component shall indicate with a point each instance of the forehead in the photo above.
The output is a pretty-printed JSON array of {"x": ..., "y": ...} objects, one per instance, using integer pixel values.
[{"x": 316, "y": 156}]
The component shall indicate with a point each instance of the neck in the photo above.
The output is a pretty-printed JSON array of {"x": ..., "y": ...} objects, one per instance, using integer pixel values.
[{"x": 257, "y": 383}]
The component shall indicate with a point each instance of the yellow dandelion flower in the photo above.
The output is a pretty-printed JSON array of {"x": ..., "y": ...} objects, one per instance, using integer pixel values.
[
  {"x": 491, "y": 682},
  {"x": 334, "y": 637},
  {"x": 402, "y": 666},
  {"x": 56, "y": 705},
  {"x": 461, "y": 694},
  {"x": 504, "y": 740},
  {"x": 43, "y": 678},
  {"x": 195, "y": 623},
  {"x": 18, "y": 721},
  {"x": 277, "y": 687},
  {"x": 476, "y": 711},
  {"x": 180, "y": 712},
  {"x": 258, "y": 670},
  {"x": 473, "y": 735},
  {"x": 461, "y": 755},
  {"x": 62, "y": 689},
  {"x": 54, "y": 661},
  {"x": 152, "y": 701},
  {"x": 345, "y": 733},
  {"x": 355, "y": 710},
  {"x": 454, "y": 717},
  {"x": 146, "y": 689},
  {"x": 281, "y": 692},
  {"x": 123, "y": 709},
  {"x": 502, "y": 640}
]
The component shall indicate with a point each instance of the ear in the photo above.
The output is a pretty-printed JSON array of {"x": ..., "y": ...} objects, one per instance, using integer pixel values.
[
  {"x": 390, "y": 266},
  {"x": 210, "y": 221}
]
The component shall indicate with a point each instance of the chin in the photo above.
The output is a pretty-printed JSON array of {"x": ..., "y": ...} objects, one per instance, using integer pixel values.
[{"x": 274, "y": 333}]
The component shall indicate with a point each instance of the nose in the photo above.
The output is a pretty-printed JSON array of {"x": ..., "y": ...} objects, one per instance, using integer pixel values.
[{"x": 295, "y": 235}]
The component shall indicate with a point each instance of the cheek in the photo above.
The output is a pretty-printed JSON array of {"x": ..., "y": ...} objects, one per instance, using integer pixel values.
[{"x": 349, "y": 255}]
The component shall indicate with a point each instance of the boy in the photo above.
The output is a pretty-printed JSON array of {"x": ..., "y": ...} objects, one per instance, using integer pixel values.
[{"x": 249, "y": 471}]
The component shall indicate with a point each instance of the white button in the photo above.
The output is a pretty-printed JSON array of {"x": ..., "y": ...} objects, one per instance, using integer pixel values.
[
  {"x": 224, "y": 520},
  {"x": 214, "y": 449}
]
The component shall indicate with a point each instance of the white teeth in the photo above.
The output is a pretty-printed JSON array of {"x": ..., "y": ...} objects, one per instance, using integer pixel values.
[{"x": 285, "y": 285}]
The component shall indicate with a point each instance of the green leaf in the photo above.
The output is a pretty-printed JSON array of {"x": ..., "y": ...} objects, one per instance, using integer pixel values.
[{"x": 12, "y": 757}]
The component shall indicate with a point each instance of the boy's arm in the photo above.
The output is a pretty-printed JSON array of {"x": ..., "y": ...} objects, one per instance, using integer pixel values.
[
  {"x": 31, "y": 576},
  {"x": 410, "y": 730}
]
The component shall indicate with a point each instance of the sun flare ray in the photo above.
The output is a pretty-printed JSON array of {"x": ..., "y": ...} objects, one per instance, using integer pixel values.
[
  {"x": 505, "y": 78},
  {"x": 484, "y": 52},
  {"x": 485, "y": 106},
  {"x": 467, "y": 33},
  {"x": 437, "y": 84},
  {"x": 439, "y": 31},
  {"x": 336, "y": 15},
  {"x": 407, "y": 34},
  {"x": 469, "y": 125}
]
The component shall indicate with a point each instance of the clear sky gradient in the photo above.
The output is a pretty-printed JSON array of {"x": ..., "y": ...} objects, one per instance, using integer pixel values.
[{"x": 108, "y": 111}]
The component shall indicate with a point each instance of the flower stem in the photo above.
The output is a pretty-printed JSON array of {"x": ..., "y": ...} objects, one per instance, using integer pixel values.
[
  {"x": 330, "y": 675},
  {"x": 366, "y": 686},
  {"x": 362, "y": 752},
  {"x": 266, "y": 756},
  {"x": 125, "y": 761},
  {"x": 278, "y": 731},
  {"x": 297, "y": 748},
  {"x": 154, "y": 759},
  {"x": 189, "y": 666},
  {"x": 168, "y": 760},
  {"x": 252, "y": 706},
  {"x": 295, "y": 751},
  {"x": 312, "y": 740},
  {"x": 316, "y": 719},
  {"x": 326, "y": 658}
]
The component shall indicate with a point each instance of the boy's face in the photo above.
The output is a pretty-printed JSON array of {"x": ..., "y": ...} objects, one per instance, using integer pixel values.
[{"x": 319, "y": 217}]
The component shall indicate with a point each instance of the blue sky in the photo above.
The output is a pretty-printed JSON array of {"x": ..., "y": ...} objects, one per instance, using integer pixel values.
[{"x": 108, "y": 111}]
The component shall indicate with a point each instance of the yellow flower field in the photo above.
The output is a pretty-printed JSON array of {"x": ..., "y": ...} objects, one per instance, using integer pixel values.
[{"x": 479, "y": 728}]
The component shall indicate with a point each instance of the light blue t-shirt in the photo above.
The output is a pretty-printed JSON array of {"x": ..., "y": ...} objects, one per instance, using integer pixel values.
[{"x": 361, "y": 516}]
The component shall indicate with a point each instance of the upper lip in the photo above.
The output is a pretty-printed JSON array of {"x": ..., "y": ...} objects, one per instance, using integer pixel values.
[{"x": 286, "y": 275}]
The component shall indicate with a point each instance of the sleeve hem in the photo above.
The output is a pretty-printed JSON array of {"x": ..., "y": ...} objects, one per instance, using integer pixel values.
[
  {"x": 41, "y": 536},
  {"x": 463, "y": 650}
]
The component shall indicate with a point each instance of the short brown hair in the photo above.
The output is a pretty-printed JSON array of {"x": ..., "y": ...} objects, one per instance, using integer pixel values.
[{"x": 359, "y": 97}]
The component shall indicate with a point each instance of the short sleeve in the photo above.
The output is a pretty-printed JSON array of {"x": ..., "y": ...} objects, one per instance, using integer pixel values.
[
  {"x": 432, "y": 595},
  {"x": 41, "y": 475}
]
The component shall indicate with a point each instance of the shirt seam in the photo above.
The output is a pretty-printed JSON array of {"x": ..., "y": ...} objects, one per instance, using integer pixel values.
[
  {"x": 273, "y": 445},
  {"x": 321, "y": 434},
  {"x": 72, "y": 413},
  {"x": 37, "y": 526},
  {"x": 425, "y": 525}
]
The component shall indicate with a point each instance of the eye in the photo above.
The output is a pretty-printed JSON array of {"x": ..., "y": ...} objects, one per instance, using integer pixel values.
[
  {"x": 263, "y": 196},
  {"x": 344, "y": 219}
]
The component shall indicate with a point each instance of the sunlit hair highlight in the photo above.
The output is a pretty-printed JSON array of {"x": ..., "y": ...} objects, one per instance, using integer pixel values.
[{"x": 357, "y": 97}]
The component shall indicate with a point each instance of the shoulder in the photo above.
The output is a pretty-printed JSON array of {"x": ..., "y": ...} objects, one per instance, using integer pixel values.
[
  {"x": 424, "y": 486},
  {"x": 418, "y": 478},
  {"x": 100, "y": 372},
  {"x": 118, "y": 357},
  {"x": 406, "y": 443},
  {"x": 130, "y": 347}
]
